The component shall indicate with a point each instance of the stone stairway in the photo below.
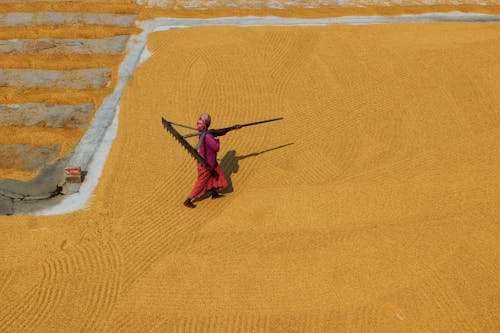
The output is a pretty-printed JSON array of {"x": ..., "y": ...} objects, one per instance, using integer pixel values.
[{"x": 57, "y": 64}]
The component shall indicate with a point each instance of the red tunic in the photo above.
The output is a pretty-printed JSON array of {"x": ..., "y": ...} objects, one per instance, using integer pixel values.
[{"x": 208, "y": 180}]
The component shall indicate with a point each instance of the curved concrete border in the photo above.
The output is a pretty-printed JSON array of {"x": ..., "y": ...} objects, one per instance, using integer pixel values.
[
  {"x": 166, "y": 24},
  {"x": 91, "y": 151}
]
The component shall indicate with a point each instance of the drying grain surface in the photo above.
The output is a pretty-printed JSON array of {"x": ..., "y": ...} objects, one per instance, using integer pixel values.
[
  {"x": 46, "y": 21},
  {"x": 376, "y": 212}
]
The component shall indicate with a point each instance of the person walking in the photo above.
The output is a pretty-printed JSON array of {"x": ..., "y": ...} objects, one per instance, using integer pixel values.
[{"x": 210, "y": 178}]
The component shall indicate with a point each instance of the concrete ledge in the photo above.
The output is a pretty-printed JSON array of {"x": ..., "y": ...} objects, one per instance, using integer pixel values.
[
  {"x": 55, "y": 18},
  {"x": 293, "y": 4},
  {"x": 27, "y": 197},
  {"x": 27, "y": 157},
  {"x": 47, "y": 115},
  {"x": 6, "y": 206},
  {"x": 111, "y": 45},
  {"x": 76, "y": 79}
]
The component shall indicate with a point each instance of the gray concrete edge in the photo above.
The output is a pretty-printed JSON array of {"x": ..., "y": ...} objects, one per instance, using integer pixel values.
[{"x": 17, "y": 19}]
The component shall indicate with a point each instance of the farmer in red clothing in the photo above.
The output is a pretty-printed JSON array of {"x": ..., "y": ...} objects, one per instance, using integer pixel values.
[{"x": 210, "y": 178}]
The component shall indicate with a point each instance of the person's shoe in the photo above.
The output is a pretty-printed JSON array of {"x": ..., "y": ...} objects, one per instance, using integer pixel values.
[
  {"x": 216, "y": 195},
  {"x": 188, "y": 203}
]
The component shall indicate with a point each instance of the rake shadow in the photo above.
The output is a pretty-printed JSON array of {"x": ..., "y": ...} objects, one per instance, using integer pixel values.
[{"x": 230, "y": 165}]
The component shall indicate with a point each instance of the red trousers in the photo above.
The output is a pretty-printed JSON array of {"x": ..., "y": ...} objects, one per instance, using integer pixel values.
[{"x": 207, "y": 181}]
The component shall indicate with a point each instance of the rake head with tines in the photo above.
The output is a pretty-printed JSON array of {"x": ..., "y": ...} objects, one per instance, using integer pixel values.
[{"x": 177, "y": 136}]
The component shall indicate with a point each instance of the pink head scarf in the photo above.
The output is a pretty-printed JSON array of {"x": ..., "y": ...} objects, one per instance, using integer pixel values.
[{"x": 203, "y": 122}]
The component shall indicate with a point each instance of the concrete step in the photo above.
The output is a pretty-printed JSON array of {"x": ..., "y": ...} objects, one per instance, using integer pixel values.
[
  {"x": 56, "y": 18},
  {"x": 46, "y": 115},
  {"x": 59, "y": 61},
  {"x": 69, "y": 6},
  {"x": 76, "y": 79},
  {"x": 27, "y": 157},
  {"x": 6, "y": 206},
  {"x": 44, "y": 185},
  {"x": 24, "y": 151},
  {"x": 66, "y": 31},
  {"x": 110, "y": 45}
]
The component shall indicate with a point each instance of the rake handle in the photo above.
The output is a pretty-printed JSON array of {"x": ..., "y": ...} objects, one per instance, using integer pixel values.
[{"x": 233, "y": 127}]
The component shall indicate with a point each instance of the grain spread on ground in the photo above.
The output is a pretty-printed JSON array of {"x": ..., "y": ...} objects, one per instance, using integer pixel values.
[{"x": 377, "y": 211}]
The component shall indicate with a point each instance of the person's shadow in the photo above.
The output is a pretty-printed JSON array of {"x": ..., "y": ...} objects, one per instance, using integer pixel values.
[{"x": 230, "y": 164}]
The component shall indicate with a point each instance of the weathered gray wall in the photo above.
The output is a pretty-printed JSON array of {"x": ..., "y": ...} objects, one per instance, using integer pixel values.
[
  {"x": 110, "y": 45},
  {"x": 46, "y": 115},
  {"x": 282, "y": 4},
  {"x": 27, "y": 157},
  {"x": 42, "y": 78},
  {"x": 55, "y": 18}
]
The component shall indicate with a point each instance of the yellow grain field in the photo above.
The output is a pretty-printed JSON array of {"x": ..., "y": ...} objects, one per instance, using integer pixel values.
[{"x": 373, "y": 207}]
